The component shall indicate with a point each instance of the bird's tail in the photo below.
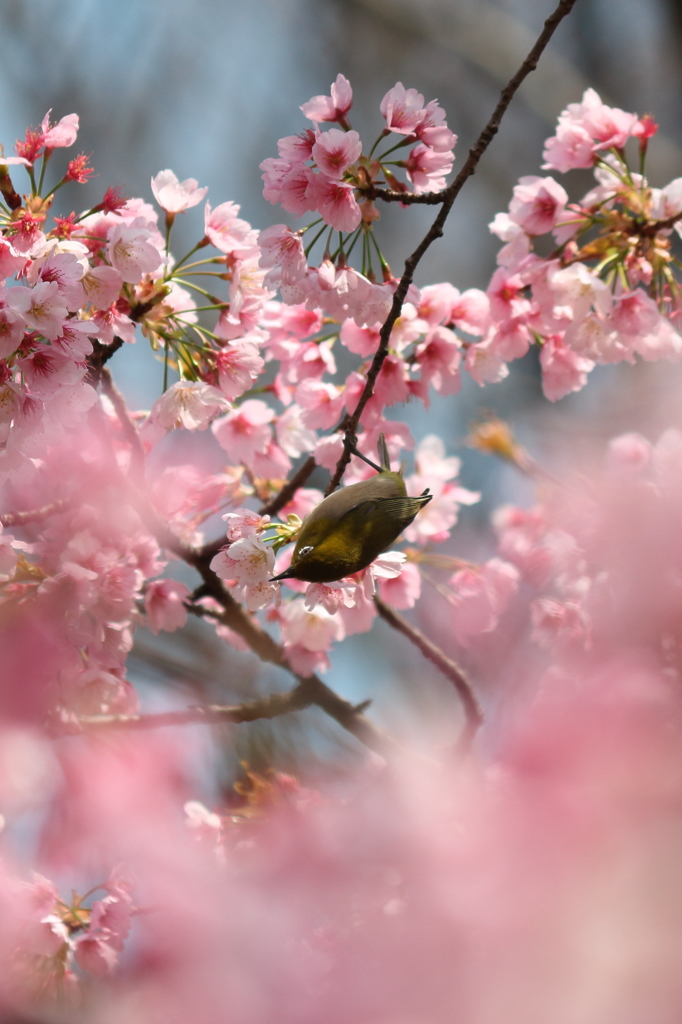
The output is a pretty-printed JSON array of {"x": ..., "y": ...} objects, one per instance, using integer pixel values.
[{"x": 382, "y": 448}]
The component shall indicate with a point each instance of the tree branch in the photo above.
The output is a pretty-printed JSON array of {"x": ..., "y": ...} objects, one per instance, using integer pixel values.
[
  {"x": 35, "y": 515},
  {"x": 266, "y": 707},
  {"x": 237, "y": 618},
  {"x": 436, "y": 230},
  {"x": 100, "y": 355},
  {"x": 473, "y": 715},
  {"x": 130, "y": 431}
]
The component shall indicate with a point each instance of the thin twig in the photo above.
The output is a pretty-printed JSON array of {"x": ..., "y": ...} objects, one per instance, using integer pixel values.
[
  {"x": 436, "y": 229},
  {"x": 289, "y": 490},
  {"x": 266, "y": 707},
  {"x": 237, "y": 618},
  {"x": 473, "y": 715},
  {"x": 130, "y": 431},
  {"x": 34, "y": 515},
  {"x": 391, "y": 195}
]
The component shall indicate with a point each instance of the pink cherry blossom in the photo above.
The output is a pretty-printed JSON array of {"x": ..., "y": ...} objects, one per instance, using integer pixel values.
[
  {"x": 97, "y": 949},
  {"x": 470, "y": 311},
  {"x": 11, "y": 263},
  {"x": 628, "y": 454},
  {"x": 321, "y": 403},
  {"x": 43, "y": 307},
  {"x": 334, "y": 151},
  {"x": 331, "y": 596},
  {"x": 12, "y": 327},
  {"x": 63, "y": 133},
  {"x": 403, "y": 109},
  {"x": 102, "y": 285},
  {"x": 271, "y": 464},
  {"x": 66, "y": 270},
  {"x": 428, "y": 169},
  {"x": 164, "y": 605},
  {"x": 293, "y": 436},
  {"x": 245, "y": 431},
  {"x": 226, "y": 231},
  {"x": 435, "y": 471},
  {"x": 189, "y": 404},
  {"x": 439, "y": 356},
  {"x": 283, "y": 248},
  {"x": 238, "y": 365},
  {"x": 402, "y": 591},
  {"x": 505, "y": 293},
  {"x": 248, "y": 564},
  {"x": 174, "y": 196},
  {"x": 335, "y": 201},
  {"x": 563, "y": 370},
  {"x": 363, "y": 341},
  {"x": 480, "y": 597},
  {"x": 291, "y": 188},
  {"x": 608, "y": 126},
  {"x": 392, "y": 383},
  {"x": 46, "y": 369},
  {"x": 313, "y": 629},
  {"x": 570, "y": 148},
  {"x": 538, "y": 204},
  {"x": 131, "y": 252},
  {"x": 296, "y": 149},
  {"x": 518, "y": 242},
  {"x": 245, "y": 523},
  {"x": 331, "y": 108},
  {"x": 111, "y": 323},
  {"x": 556, "y": 622}
]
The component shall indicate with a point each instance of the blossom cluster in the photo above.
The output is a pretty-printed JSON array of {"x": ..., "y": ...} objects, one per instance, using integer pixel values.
[{"x": 608, "y": 291}]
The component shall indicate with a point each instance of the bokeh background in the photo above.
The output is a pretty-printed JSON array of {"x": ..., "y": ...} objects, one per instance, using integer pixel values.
[{"x": 206, "y": 87}]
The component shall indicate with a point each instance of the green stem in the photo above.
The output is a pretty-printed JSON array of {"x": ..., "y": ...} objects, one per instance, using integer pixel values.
[
  {"x": 398, "y": 145},
  {"x": 46, "y": 157},
  {"x": 315, "y": 239}
]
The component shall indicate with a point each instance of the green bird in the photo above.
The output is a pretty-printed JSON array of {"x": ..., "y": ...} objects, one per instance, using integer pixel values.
[{"x": 346, "y": 531}]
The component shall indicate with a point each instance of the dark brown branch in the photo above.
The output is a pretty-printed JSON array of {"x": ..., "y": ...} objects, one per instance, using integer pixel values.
[
  {"x": 649, "y": 230},
  {"x": 310, "y": 692},
  {"x": 436, "y": 229},
  {"x": 100, "y": 355},
  {"x": 237, "y": 618},
  {"x": 390, "y": 195},
  {"x": 34, "y": 515},
  {"x": 473, "y": 715},
  {"x": 289, "y": 490},
  {"x": 266, "y": 707}
]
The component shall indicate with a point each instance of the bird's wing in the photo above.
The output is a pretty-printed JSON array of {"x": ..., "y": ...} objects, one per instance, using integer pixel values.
[{"x": 402, "y": 508}]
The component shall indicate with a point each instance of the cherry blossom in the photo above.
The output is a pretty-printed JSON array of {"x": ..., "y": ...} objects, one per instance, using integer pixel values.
[
  {"x": 63, "y": 133},
  {"x": 331, "y": 108},
  {"x": 245, "y": 431},
  {"x": 226, "y": 231},
  {"x": 175, "y": 196},
  {"x": 131, "y": 251},
  {"x": 164, "y": 605},
  {"x": 403, "y": 109},
  {"x": 188, "y": 404},
  {"x": 334, "y": 151}
]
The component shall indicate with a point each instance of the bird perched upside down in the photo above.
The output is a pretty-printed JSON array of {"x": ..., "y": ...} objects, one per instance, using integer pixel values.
[{"x": 346, "y": 531}]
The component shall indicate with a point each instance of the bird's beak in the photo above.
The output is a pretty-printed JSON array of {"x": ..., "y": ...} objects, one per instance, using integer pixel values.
[{"x": 286, "y": 575}]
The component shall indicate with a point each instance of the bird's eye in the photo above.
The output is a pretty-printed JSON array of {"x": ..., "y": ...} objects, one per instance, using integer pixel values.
[{"x": 305, "y": 551}]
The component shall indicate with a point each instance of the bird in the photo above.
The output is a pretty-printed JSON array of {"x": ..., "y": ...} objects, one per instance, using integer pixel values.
[{"x": 352, "y": 526}]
